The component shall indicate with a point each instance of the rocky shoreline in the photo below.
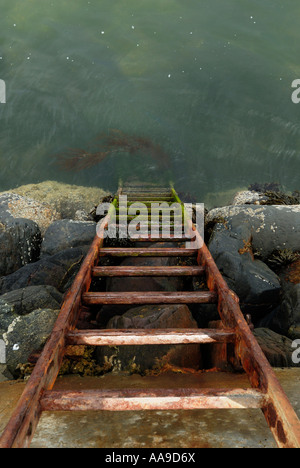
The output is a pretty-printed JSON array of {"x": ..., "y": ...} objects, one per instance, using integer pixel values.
[{"x": 46, "y": 230}]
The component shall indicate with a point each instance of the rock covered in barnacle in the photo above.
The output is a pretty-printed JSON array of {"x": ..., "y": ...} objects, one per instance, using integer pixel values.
[
  {"x": 15, "y": 206},
  {"x": 65, "y": 199}
]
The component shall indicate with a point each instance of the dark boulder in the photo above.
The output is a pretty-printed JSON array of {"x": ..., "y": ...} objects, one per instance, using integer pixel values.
[
  {"x": 26, "y": 335},
  {"x": 203, "y": 313},
  {"x": 285, "y": 319},
  {"x": 23, "y": 221},
  {"x": 278, "y": 349},
  {"x": 127, "y": 284},
  {"x": 5, "y": 375},
  {"x": 65, "y": 234},
  {"x": 256, "y": 285},
  {"x": 24, "y": 301},
  {"x": 269, "y": 228},
  {"x": 58, "y": 271},
  {"x": 20, "y": 241},
  {"x": 147, "y": 357}
]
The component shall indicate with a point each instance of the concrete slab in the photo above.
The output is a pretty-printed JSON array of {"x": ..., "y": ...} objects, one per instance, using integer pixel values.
[{"x": 153, "y": 429}]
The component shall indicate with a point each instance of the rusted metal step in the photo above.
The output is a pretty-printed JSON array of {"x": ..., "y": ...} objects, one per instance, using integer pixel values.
[
  {"x": 170, "y": 220},
  {"x": 160, "y": 238},
  {"x": 151, "y": 297},
  {"x": 148, "y": 252},
  {"x": 143, "y": 199},
  {"x": 159, "y": 234},
  {"x": 148, "y": 271},
  {"x": 154, "y": 198},
  {"x": 146, "y": 188},
  {"x": 147, "y": 194},
  {"x": 167, "y": 226},
  {"x": 123, "y": 337},
  {"x": 152, "y": 399},
  {"x": 149, "y": 204},
  {"x": 161, "y": 214},
  {"x": 161, "y": 208}
]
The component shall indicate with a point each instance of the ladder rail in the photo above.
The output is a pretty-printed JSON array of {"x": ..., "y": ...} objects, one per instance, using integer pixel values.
[
  {"x": 278, "y": 411},
  {"x": 20, "y": 429}
]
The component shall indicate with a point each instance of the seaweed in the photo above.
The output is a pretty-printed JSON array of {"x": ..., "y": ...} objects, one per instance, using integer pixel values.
[
  {"x": 280, "y": 198},
  {"x": 266, "y": 187},
  {"x": 280, "y": 259},
  {"x": 115, "y": 142},
  {"x": 275, "y": 194}
]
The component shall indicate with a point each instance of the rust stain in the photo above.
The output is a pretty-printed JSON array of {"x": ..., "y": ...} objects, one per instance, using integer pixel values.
[
  {"x": 281, "y": 433},
  {"x": 247, "y": 248},
  {"x": 271, "y": 415}
]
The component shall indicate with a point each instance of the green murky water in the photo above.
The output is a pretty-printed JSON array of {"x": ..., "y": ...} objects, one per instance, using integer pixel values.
[{"x": 207, "y": 80}]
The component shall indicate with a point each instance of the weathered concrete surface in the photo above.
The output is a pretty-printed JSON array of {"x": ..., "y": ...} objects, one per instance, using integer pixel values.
[{"x": 154, "y": 429}]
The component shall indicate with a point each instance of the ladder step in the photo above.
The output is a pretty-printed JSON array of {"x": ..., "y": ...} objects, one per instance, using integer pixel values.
[
  {"x": 148, "y": 271},
  {"x": 148, "y": 203},
  {"x": 123, "y": 337},
  {"x": 146, "y": 194},
  {"x": 140, "y": 217},
  {"x": 148, "y": 252},
  {"x": 150, "y": 197},
  {"x": 152, "y": 297},
  {"x": 153, "y": 238},
  {"x": 162, "y": 210},
  {"x": 163, "y": 239},
  {"x": 167, "y": 227},
  {"x": 151, "y": 399},
  {"x": 144, "y": 199},
  {"x": 123, "y": 223}
]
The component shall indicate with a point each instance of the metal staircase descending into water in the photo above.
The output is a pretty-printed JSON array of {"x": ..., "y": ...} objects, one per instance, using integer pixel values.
[{"x": 265, "y": 393}]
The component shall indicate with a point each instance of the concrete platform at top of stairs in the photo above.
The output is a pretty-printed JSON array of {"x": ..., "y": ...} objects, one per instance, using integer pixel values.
[{"x": 153, "y": 429}]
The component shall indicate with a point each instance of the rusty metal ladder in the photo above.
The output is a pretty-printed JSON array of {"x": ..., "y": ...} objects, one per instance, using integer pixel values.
[{"x": 266, "y": 392}]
